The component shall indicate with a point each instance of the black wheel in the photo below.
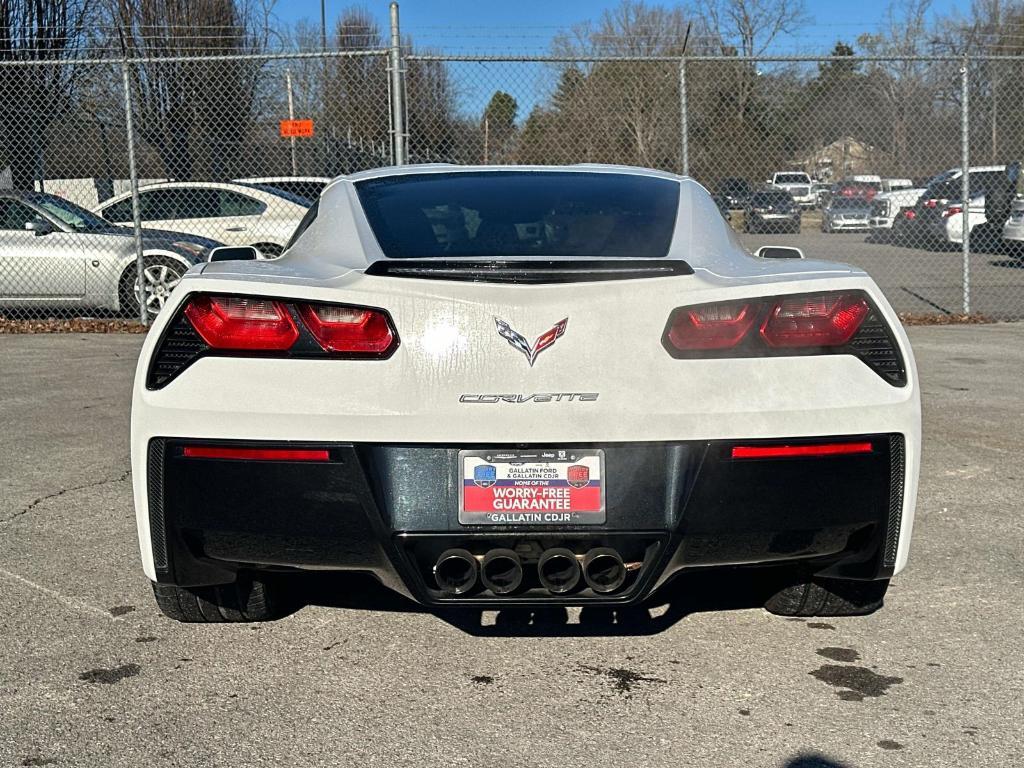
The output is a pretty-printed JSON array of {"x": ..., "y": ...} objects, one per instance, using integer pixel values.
[
  {"x": 160, "y": 275},
  {"x": 828, "y": 597},
  {"x": 245, "y": 600},
  {"x": 269, "y": 250}
]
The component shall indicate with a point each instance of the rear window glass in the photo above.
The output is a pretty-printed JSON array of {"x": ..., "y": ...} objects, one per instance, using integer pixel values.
[
  {"x": 517, "y": 213},
  {"x": 792, "y": 178}
]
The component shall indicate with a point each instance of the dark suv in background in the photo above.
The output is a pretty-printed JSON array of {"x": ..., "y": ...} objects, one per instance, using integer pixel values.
[
  {"x": 734, "y": 193},
  {"x": 771, "y": 210}
]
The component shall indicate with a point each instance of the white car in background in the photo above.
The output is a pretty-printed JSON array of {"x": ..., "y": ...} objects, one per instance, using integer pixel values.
[
  {"x": 233, "y": 214},
  {"x": 1013, "y": 229},
  {"x": 308, "y": 187},
  {"x": 798, "y": 184}
]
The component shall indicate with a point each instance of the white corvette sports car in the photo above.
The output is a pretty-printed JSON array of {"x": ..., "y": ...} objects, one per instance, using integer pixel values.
[{"x": 515, "y": 385}]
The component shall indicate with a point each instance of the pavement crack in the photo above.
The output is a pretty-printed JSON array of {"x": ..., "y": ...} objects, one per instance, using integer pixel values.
[{"x": 56, "y": 494}]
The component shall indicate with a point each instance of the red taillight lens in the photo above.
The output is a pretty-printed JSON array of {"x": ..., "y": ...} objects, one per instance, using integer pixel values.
[
  {"x": 254, "y": 454},
  {"x": 910, "y": 215},
  {"x": 825, "y": 320},
  {"x": 712, "y": 326},
  {"x": 952, "y": 210},
  {"x": 784, "y": 451},
  {"x": 352, "y": 330},
  {"x": 242, "y": 323},
  {"x": 931, "y": 203}
]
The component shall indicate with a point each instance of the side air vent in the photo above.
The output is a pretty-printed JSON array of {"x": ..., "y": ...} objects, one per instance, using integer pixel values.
[
  {"x": 179, "y": 348},
  {"x": 897, "y": 472},
  {"x": 529, "y": 272},
  {"x": 875, "y": 345}
]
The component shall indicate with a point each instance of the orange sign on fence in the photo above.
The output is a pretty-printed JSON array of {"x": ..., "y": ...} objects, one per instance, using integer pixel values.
[{"x": 296, "y": 128}]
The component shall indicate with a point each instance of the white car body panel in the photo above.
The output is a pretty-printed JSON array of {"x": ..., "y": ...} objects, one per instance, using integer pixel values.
[{"x": 449, "y": 347}]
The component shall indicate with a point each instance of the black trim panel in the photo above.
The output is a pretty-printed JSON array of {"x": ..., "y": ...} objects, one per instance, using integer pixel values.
[{"x": 529, "y": 272}]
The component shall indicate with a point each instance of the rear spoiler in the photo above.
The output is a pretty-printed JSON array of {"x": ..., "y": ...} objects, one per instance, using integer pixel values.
[{"x": 530, "y": 272}]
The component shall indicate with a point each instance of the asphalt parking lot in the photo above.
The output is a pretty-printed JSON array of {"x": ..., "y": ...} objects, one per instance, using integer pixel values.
[
  {"x": 917, "y": 279},
  {"x": 92, "y": 675}
]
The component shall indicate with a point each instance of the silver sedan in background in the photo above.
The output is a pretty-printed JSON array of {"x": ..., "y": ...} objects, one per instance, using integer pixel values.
[
  {"x": 54, "y": 253},
  {"x": 846, "y": 214}
]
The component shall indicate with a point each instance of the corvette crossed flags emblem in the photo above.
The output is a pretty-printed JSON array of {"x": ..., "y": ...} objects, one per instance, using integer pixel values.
[{"x": 519, "y": 341}]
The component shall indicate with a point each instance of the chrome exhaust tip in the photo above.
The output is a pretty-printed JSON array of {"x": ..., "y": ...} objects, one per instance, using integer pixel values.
[
  {"x": 558, "y": 570},
  {"x": 501, "y": 571},
  {"x": 603, "y": 570},
  {"x": 455, "y": 572}
]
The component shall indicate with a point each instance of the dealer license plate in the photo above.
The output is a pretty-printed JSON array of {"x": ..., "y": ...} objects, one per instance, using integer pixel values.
[{"x": 531, "y": 487}]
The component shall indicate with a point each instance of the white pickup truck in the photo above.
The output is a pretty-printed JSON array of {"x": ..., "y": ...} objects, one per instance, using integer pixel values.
[
  {"x": 885, "y": 207},
  {"x": 798, "y": 184}
]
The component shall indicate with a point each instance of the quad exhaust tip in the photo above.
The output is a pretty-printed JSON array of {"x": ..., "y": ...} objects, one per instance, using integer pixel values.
[
  {"x": 558, "y": 570},
  {"x": 456, "y": 571},
  {"x": 603, "y": 570},
  {"x": 501, "y": 571}
]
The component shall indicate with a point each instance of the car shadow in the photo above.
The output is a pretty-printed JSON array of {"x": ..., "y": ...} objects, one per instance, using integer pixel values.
[
  {"x": 812, "y": 760},
  {"x": 687, "y": 594}
]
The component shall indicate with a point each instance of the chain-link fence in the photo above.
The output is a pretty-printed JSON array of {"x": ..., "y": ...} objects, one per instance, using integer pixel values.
[{"x": 121, "y": 174}]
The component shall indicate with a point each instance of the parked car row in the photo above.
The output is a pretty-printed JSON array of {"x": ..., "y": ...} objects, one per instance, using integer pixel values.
[
  {"x": 807, "y": 192},
  {"x": 890, "y": 209},
  {"x": 54, "y": 253}
]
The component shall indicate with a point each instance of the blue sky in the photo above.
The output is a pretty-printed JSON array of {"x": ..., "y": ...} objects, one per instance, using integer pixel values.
[
  {"x": 506, "y": 26},
  {"x": 528, "y": 26}
]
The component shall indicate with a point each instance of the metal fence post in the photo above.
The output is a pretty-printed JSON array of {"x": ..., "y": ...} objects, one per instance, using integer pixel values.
[
  {"x": 134, "y": 180},
  {"x": 684, "y": 126},
  {"x": 965, "y": 183},
  {"x": 397, "y": 102}
]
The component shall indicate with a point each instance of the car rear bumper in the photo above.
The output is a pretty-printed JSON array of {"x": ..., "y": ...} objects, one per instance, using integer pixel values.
[
  {"x": 390, "y": 510},
  {"x": 861, "y": 224}
]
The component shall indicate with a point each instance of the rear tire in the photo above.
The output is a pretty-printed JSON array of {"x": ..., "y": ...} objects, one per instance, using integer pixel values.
[
  {"x": 244, "y": 600},
  {"x": 828, "y": 597}
]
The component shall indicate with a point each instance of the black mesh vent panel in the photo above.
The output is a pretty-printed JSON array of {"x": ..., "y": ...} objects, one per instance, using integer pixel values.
[
  {"x": 155, "y": 489},
  {"x": 897, "y": 472}
]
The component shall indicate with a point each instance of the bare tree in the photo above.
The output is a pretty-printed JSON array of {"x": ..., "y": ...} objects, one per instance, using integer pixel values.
[
  {"x": 33, "y": 97},
  {"x": 195, "y": 115},
  {"x": 748, "y": 28},
  {"x": 616, "y": 109}
]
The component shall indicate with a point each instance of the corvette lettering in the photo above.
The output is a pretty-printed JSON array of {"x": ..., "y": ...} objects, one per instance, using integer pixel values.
[{"x": 540, "y": 397}]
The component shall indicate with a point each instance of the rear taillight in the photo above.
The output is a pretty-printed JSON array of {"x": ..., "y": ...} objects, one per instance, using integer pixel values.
[
  {"x": 210, "y": 325},
  {"x": 713, "y": 326},
  {"x": 354, "y": 330},
  {"x": 931, "y": 203},
  {"x": 834, "y": 322},
  {"x": 242, "y": 323},
  {"x": 823, "y": 320},
  {"x": 909, "y": 215},
  {"x": 952, "y": 210}
]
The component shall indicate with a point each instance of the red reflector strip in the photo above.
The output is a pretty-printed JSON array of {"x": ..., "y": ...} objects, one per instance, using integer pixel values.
[
  {"x": 255, "y": 454},
  {"x": 778, "y": 451}
]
